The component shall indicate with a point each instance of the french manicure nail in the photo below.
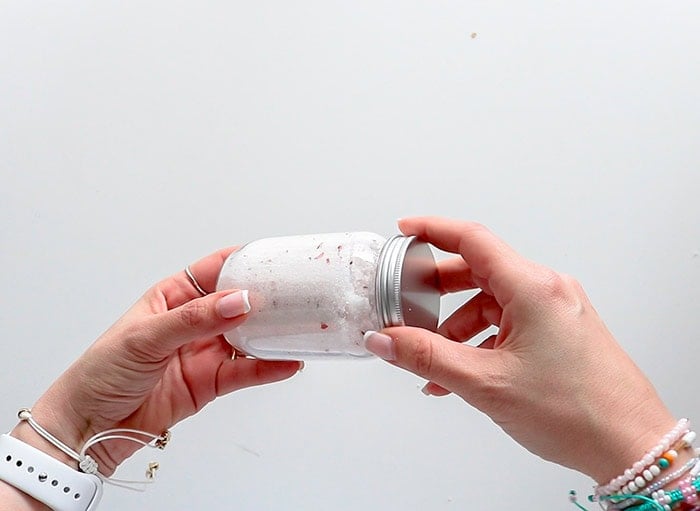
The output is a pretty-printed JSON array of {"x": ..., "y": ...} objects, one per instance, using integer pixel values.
[
  {"x": 234, "y": 304},
  {"x": 380, "y": 344}
]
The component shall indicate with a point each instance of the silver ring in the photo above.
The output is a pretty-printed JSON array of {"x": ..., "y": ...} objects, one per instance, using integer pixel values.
[
  {"x": 239, "y": 354},
  {"x": 188, "y": 272}
]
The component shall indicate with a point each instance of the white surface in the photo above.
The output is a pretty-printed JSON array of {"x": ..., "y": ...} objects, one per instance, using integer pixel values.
[{"x": 136, "y": 137}]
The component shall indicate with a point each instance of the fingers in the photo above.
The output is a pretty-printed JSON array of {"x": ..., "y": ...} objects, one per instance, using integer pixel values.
[
  {"x": 455, "y": 275},
  {"x": 489, "y": 343},
  {"x": 433, "y": 389},
  {"x": 241, "y": 373},
  {"x": 450, "y": 365},
  {"x": 202, "y": 317},
  {"x": 472, "y": 318},
  {"x": 178, "y": 288},
  {"x": 495, "y": 266}
]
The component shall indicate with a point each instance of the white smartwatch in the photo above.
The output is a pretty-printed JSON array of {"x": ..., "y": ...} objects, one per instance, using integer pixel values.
[{"x": 47, "y": 479}]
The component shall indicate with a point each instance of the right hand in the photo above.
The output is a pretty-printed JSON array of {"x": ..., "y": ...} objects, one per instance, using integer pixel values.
[{"x": 553, "y": 377}]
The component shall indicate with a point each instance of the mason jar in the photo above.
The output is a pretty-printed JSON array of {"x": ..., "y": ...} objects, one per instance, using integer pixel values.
[{"x": 315, "y": 296}]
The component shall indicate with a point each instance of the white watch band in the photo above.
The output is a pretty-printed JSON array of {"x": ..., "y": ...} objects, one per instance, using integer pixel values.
[{"x": 47, "y": 479}]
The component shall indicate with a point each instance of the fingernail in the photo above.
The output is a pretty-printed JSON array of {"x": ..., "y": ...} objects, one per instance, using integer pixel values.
[
  {"x": 380, "y": 344},
  {"x": 301, "y": 366},
  {"x": 426, "y": 389},
  {"x": 234, "y": 304}
]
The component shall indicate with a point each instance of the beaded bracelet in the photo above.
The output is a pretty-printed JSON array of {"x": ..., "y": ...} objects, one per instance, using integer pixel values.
[
  {"x": 690, "y": 464},
  {"x": 654, "y": 470},
  {"x": 633, "y": 475},
  {"x": 687, "y": 492},
  {"x": 652, "y": 488}
]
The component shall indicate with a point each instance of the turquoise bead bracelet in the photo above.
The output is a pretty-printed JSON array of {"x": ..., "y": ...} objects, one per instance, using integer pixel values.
[{"x": 673, "y": 497}]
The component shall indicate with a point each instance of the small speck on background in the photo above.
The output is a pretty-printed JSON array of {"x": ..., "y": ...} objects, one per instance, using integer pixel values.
[{"x": 473, "y": 35}]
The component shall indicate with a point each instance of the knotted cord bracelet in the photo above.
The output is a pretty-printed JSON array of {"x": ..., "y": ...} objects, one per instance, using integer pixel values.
[
  {"x": 686, "y": 492},
  {"x": 88, "y": 465}
]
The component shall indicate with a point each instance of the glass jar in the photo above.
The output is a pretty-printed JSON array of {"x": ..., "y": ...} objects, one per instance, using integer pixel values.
[{"x": 314, "y": 296}]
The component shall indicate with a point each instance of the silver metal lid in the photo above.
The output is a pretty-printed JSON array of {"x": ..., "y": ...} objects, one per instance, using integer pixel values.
[{"x": 406, "y": 287}]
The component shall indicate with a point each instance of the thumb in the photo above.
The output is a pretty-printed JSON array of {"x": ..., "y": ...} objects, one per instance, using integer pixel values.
[
  {"x": 203, "y": 317},
  {"x": 453, "y": 366}
]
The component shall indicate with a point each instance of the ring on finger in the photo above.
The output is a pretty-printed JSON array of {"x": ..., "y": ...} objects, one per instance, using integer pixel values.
[{"x": 193, "y": 280}]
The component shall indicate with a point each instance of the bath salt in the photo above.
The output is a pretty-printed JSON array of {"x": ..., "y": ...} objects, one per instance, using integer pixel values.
[{"x": 314, "y": 296}]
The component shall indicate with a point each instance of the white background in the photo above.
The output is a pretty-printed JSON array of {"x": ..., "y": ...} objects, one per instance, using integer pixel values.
[{"x": 136, "y": 137}]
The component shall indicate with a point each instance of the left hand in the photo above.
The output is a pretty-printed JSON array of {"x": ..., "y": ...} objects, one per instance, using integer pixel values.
[{"x": 163, "y": 361}]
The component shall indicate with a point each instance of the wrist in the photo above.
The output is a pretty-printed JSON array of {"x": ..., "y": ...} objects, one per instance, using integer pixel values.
[
  {"x": 64, "y": 427},
  {"x": 665, "y": 464},
  {"x": 629, "y": 449},
  {"x": 638, "y": 442},
  {"x": 41, "y": 465},
  {"x": 59, "y": 424},
  {"x": 55, "y": 412},
  {"x": 75, "y": 432},
  {"x": 44, "y": 478},
  {"x": 622, "y": 439},
  {"x": 12, "y": 499}
]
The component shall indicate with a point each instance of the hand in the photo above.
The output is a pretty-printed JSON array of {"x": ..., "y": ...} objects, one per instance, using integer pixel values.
[
  {"x": 164, "y": 360},
  {"x": 553, "y": 377}
]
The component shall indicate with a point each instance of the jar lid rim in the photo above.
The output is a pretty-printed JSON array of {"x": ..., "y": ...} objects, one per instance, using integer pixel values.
[{"x": 406, "y": 286}]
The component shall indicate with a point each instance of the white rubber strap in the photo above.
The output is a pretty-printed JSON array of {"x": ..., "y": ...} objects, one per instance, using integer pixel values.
[{"x": 47, "y": 479}]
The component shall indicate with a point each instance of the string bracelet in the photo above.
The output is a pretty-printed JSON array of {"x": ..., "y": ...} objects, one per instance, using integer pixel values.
[
  {"x": 687, "y": 492},
  {"x": 661, "y": 500},
  {"x": 632, "y": 479},
  {"x": 88, "y": 465},
  {"x": 689, "y": 466},
  {"x": 650, "y": 501}
]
